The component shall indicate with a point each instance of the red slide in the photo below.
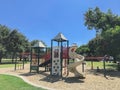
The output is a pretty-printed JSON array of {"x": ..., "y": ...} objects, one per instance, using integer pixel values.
[{"x": 47, "y": 58}]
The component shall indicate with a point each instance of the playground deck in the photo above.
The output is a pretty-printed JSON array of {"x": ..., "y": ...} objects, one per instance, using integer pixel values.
[{"x": 93, "y": 80}]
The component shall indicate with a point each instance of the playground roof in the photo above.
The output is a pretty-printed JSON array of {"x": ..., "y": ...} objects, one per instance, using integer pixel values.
[
  {"x": 59, "y": 37},
  {"x": 39, "y": 44}
]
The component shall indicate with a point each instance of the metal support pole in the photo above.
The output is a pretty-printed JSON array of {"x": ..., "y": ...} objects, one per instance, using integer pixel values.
[
  {"x": 68, "y": 52},
  {"x": 38, "y": 59},
  {"x": 61, "y": 57},
  {"x": 51, "y": 56},
  {"x": 31, "y": 59}
]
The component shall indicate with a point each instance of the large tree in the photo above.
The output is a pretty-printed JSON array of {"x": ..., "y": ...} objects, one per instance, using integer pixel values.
[
  {"x": 4, "y": 32},
  {"x": 16, "y": 43},
  {"x": 112, "y": 38},
  {"x": 108, "y": 32},
  {"x": 84, "y": 49},
  {"x": 97, "y": 20}
]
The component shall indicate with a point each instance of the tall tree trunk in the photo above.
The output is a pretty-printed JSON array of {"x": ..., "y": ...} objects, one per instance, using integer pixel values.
[
  {"x": 0, "y": 60},
  {"x": 1, "y": 55}
]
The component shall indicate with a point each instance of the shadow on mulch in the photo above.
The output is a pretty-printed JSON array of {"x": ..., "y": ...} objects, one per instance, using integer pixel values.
[
  {"x": 53, "y": 79},
  {"x": 73, "y": 80},
  {"x": 28, "y": 74},
  {"x": 109, "y": 72},
  {"x": 44, "y": 73},
  {"x": 35, "y": 73}
]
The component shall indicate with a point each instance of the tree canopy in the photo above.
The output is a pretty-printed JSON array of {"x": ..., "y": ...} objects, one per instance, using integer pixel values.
[
  {"x": 4, "y": 32},
  {"x": 97, "y": 20},
  {"x": 11, "y": 42},
  {"x": 107, "y": 26}
]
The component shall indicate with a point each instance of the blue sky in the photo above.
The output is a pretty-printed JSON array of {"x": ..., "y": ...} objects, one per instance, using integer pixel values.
[{"x": 44, "y": 19}]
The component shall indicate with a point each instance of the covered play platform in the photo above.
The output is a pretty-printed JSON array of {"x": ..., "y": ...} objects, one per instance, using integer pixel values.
[{"x": 57, "y": 60}]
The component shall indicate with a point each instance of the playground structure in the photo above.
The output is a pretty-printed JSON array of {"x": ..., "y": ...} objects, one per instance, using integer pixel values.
[
  {"x": 58, "y": 59},
  {"x": 58, "y": 62},
  {"x": 58, "y": 54},
  {"x": 35, "y": 56}
]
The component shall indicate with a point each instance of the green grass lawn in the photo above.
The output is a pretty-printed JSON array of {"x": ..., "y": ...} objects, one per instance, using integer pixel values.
[
  {"x": 6, "y": 60},
  {"x": 100, "y": 65},
  {"x": 10, "y": 60},
  {"x": 9, "y": 65},
  {"x": 8, "y": 82},
  {"x": 6, "y": 65}
]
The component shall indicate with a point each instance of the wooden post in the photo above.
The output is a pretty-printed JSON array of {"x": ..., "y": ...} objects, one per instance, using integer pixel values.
[
  {"x": 92, "y": 64},
  {"x": 23, "y": 63},
  {"x": 15, "y": 63},
  {"x": 104, "y": 65}
]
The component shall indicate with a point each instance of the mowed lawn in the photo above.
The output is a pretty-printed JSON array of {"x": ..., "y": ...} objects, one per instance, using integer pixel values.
[
  {"x": 8, "y": 82},
  {"x": 6, "y": 65},
  {"x": 109, "y": 65}
]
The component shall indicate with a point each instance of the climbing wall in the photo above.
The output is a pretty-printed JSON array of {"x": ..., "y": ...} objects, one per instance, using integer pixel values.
[{"x": 56, "y": 62}]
